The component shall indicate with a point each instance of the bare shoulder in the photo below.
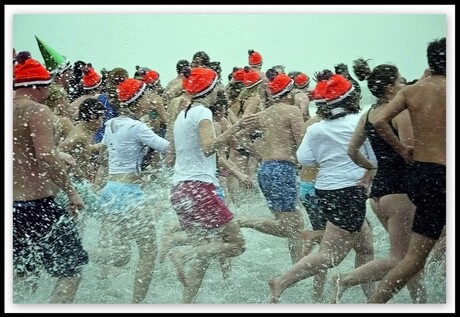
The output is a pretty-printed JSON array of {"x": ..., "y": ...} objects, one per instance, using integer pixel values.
[
  {"x": 29, "y": 107},
  {"x": 292, "y": 109}
]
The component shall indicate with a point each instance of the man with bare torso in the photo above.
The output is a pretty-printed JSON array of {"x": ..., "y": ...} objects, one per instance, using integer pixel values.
[
  {"x": 281, "y": 125},
  {"x": 44, "y": 234},
  {"x": 426, "y": 102}
]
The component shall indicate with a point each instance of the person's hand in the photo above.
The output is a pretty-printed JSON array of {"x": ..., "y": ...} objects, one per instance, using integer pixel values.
[
  {"x": 245, "y": 180},
  {"x": 366, "y": 180},
  {"x": 248, "y": 121},
  {"x": 75, "y": 203},
  {"x": 67, "y": 159},
  {"x": 408, "y": 154},
  {"x": 183, "y": 103}
]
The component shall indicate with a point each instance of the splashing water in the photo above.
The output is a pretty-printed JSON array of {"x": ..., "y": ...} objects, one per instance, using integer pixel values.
[{"x": 265, "y": 257}]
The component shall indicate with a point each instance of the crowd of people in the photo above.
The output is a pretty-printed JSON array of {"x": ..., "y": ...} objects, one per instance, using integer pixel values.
[{"x": 90, "y": 143}]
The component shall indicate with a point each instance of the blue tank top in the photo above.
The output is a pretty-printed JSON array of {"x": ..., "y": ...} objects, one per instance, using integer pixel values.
[
  {"x": 386, "y": 156},
  {"x": 109, "y": 113}
]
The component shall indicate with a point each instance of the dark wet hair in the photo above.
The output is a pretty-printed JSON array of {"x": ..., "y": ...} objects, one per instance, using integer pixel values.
[
  {"x": 203, "y": 56},
  {"x": 340, "y": 68},
  {"x": 349, "y": 103},
  {"x": 181, "y": 64},
  {"x": 293, "y": 74},
  {"x": 280, "y": 67},
  {"x": 90, "y": 109},
  {"x": 215, "y": 66},
  {"x": 75, "y": 88},
  {"x": 271, "y": 74},
  {"x": 140, "y": 72},
  {"x": 220, "y": 104},
  {"x": 23, "y": 56},
  {"x": 234, "y": 89},
  {"x": 436, "y": 54},
  {"x": 324, "y": 74},
  {"x": 377, "y": 79}
]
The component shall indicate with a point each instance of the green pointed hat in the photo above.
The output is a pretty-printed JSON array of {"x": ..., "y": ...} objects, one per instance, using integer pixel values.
[{"x": 55, "y": 62}]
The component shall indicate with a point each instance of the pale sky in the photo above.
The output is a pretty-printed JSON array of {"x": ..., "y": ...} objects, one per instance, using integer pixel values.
[{"x": 303, "y": 38}]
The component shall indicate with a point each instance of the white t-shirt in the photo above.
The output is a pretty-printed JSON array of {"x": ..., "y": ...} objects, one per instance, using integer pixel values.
[
  {"x": 326, "y": 144},
  {"x": 191, "y": 163},
  {"x": 126, "y": 139}
]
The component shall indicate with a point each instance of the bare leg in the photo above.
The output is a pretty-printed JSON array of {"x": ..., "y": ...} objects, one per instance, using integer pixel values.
[
  {"x": 144, "y": 270},
  {"x": 417, "y": 289},
  {"x": 172, "y": 239},
  {"x": 335, "y": 245},
  {"x": 319, "y": 281},
  {"x": 413, "y": 263},
  {"x": 226, "y": 267},
  {"x": 194, "y": 280},
  {"x": 65, "y": 290}
]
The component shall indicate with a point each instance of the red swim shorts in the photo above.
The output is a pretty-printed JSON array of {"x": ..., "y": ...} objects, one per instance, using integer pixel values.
[{"x": 197, "y": 204}]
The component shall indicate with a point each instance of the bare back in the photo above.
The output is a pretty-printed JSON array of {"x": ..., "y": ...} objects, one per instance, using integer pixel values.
[
  {"x": 281, "y": 125},
  {"x": 29, "y": 181},
  {"x": 426, "y": 101}
]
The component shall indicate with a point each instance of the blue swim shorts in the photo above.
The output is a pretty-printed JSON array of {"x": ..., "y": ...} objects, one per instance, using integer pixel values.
[
  {"x": 277, "y": 181},
  {"x": 117, "y": 197}
]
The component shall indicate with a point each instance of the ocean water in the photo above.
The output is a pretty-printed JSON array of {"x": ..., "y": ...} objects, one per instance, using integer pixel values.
[{"x": 265, "y": 257}]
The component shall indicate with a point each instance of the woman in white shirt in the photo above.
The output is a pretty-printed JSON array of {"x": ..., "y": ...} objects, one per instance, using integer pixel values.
[
  {"x": 339, "y": 183},
  {"x": 125, "y": 218},
  {"x": 201, "y": 212}
]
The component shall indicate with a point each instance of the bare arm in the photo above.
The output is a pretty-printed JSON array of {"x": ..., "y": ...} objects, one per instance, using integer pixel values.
[
  {"x": 297, "y": 124},
  {"x": 210, "y": 144},
  {"x": 253, "y": 105},
  {"x": 42, "y": 135},
  {"x": 66, "y": 126},
  {"x": 403, "y": 124},
  {"x": 356, "y": 141},
  {"x": 159, "y": 107},
  {"x": 229, "y": 165},
  {"x": 383, "y": 119},
  {"x": 170, "y": 157},
  {"x": 103, "y": 170}
]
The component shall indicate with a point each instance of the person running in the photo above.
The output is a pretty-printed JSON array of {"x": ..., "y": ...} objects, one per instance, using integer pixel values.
[
  {"x": 201, "y": 212},
  {"x": 281, "y": 125},
  {"x": 173, "y": 88},
  {"x": 125, "y": 219},
  {"x": 338, "y": 187},
  {"x": 44, "y": 233},
  {"x": 301, "y": 91},
  {"x": 79, "y": 144},
  {"x": 388, "y": 198},
  {"x": 426, "y": 102}
]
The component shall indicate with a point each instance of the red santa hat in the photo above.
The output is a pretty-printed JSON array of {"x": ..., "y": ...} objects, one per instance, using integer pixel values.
[
  {"x": 332, "y": 90},
  {"x": 301, "y": 80},
  {"x": 27, "y": 71},
  {"x": 129, "y": 90},
  {"x": 238, "y": 74},
  {"x": 198, "y": 80},
  {"x": 91, "y": 79},
  {"x": 254, "y": 58},
  {"x": 151, "y": 77},
  {"x": 147, "y": 75},
  {"x": 251, "y": 77},
  {"x": 280, "y": 84}
]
